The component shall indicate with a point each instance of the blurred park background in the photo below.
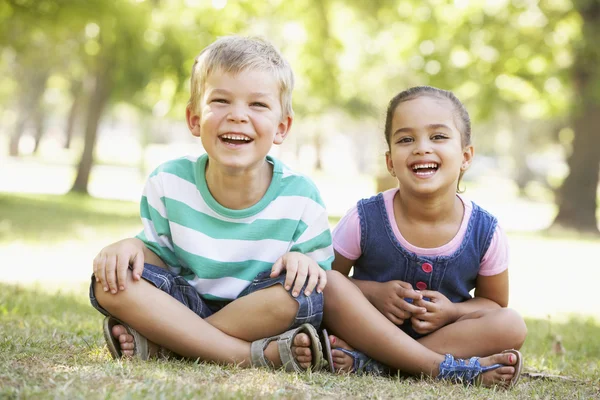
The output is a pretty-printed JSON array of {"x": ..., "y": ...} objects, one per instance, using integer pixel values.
[{"x": 93, "y": 96}]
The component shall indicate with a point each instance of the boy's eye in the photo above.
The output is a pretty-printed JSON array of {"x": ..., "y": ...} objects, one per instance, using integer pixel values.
[
  {"x": 259, "y": 104},
  {"x": 438, "y": 136},
  {"x": 218, "y": 100}
]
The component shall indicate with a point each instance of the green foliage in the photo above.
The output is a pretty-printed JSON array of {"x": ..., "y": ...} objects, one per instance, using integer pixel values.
[{"x": 509, "y": 56}]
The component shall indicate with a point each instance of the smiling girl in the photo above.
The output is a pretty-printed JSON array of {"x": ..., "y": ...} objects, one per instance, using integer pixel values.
[{"x": 417, "y": 252}]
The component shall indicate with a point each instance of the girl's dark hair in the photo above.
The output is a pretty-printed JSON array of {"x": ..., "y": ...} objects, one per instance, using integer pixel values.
[{"x": 462, "y": 119}]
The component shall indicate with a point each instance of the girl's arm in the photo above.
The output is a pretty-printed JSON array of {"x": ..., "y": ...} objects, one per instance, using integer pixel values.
[
  {"x": 490, "y": 292},
  {"x": 343, "y": 266}
]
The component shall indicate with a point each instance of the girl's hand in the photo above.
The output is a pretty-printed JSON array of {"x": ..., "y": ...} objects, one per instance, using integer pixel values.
[
  {"x": 390, "y": 299},
  {"x": 111, "y": 264},
  {"x": 440, "y": 312},
  {"x": 299, "y": 268}
]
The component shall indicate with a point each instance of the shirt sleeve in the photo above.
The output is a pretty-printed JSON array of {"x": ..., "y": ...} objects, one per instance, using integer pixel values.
[
  {"x": 346, "y": 235},
  {"x": 496, "y": 258},
  {"x": 156, "y": 234},
  {"x": 315, "y": 238}
]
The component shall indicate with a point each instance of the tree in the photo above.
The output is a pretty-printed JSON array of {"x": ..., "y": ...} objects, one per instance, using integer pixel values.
[{"x": 577, "y": 198}]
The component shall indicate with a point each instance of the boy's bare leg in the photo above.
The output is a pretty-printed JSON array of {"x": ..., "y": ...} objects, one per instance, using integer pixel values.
[
  {"x": 181, "y": 330},
  {"x": 480, "y": 333},
  {"x": 349, "y": 314}
]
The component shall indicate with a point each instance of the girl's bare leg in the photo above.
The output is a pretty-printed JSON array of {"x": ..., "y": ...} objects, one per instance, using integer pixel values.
[
  {"x": 168, "y": 323},
  {"x": 481, "y": 333},
  {"x": 349, "y": 315}
]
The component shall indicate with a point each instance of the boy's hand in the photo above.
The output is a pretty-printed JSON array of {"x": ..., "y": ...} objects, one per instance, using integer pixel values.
[
  {"x": 299, "y": 267},
  {"x": 440, "y": 312},
  {"x": 111, "y": 264},
  {"x": 390, "y": 299}
]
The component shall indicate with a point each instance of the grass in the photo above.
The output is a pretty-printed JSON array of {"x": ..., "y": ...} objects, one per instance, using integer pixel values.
[{"x": 51, "y": 344}]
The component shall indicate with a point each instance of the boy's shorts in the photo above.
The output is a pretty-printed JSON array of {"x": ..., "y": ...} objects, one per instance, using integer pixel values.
[{"x": 310, "y": 308}]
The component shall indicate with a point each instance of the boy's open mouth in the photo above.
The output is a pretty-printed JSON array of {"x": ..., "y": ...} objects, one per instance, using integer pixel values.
[
  {"x": 424, "y": 169},
  {"x": 235, "y": 138}
]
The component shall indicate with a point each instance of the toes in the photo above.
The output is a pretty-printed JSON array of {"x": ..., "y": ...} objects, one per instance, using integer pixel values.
[
  {"x": 302, "y": 351},
  {"x": 506, "y": 371},
  {"x": 302, "y": 340},
  {"x": 119, "y": 330},
  {"x": 125, "y": 339},
  {"x": 127, "y": 346},
  {"x": 337, "y": 342}
]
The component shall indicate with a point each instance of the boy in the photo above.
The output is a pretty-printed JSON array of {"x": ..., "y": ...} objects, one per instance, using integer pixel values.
[{"x": 228, "y": 236}]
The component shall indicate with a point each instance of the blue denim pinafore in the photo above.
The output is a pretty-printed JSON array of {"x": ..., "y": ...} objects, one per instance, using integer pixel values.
[{"x": 384, "y": 259}]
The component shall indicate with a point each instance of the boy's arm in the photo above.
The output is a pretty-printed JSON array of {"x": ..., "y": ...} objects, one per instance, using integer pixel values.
[{"x": 311, "y": 253}]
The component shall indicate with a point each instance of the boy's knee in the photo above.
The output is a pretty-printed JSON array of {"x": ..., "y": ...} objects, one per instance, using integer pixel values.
[
  {"x": 281, "y": 306},
  {"x": 109, "y": 301}
]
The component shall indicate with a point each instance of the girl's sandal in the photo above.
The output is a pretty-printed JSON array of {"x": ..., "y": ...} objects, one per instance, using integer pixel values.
[
  {"x": 141, "y": 349},
  {"x": 471, "y": 372},
  {"x": 284, "y": 344},
  {"x": 361, "y": 363}
]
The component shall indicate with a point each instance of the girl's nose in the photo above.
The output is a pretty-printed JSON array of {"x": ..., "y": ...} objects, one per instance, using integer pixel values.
[{"x": 422, "y": 147}]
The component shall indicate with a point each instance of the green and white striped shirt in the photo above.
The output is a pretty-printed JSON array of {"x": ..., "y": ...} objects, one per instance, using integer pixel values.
[{"x": 219, "y": 251}]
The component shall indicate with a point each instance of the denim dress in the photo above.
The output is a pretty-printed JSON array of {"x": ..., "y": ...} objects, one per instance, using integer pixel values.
[{"x": 384, "y": 259}]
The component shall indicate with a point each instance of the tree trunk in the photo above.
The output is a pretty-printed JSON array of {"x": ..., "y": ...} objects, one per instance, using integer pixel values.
[
  {"x": 38, "y": 122},
  {"x": 77, "y": 93},
  {"x": 98, "y": 100},
  {"x": 34, "y": 85},
  {"x": 577, "y": 198},
  {"x": 15, "y": 138}
]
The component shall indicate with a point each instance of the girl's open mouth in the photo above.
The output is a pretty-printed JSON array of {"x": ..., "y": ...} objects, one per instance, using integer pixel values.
[{"x": 425, "y": 170}]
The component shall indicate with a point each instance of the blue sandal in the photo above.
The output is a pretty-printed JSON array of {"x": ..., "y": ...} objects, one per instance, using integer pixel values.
[
  {"x": 470, "y": 371},
  {"x": 361, "y": 364}
]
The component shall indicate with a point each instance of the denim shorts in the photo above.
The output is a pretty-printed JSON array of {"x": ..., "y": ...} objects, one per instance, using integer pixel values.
[{"x": 310, "y": 308}]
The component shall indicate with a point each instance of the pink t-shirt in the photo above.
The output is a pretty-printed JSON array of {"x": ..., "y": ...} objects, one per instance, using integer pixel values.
[{"x": 346, "y": 238}]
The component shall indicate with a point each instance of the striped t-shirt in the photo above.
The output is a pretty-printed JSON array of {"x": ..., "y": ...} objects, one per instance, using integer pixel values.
[{"x": 219, "y": 251}]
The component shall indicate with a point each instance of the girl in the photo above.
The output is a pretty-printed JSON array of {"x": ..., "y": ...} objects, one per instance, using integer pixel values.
[{"x": 417, "y": 252}]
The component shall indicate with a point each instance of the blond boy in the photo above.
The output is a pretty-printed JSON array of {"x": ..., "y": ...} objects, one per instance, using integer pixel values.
[{"x": 235, "y": 245}]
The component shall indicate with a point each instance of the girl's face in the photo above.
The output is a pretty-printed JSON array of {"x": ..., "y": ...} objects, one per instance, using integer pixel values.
[{"x": 426, "y": 151}]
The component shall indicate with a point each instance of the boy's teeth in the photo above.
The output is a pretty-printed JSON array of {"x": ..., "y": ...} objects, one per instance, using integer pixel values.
[{"x": 236, "y": 137}]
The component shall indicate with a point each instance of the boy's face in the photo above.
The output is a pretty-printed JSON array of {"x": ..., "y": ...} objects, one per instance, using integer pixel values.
[{"x": 240, "y": 118}]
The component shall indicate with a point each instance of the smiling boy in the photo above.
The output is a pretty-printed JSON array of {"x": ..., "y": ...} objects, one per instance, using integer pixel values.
[{"x": 235, "y": 245}]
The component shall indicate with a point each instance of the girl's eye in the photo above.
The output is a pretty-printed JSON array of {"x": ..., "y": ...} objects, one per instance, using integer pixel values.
[{"x": 405, "y": 140}]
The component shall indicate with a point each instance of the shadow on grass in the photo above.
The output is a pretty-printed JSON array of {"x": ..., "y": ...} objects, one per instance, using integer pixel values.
[
  {"x": 56, "y": 338},
  {"x": 38, "y": 310},
  {"x": 54, "y": 218}
]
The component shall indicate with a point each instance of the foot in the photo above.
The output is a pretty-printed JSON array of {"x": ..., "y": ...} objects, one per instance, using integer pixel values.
[
  {"x": 300, "y": 349},
  {"x": 127, "y": 344},
  {"x": 342, "y": 362},
  {"x": 499, "y": 376}
]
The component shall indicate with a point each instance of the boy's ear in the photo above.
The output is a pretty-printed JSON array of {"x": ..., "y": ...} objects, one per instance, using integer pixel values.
[
  {"x": 193, "y": 121},
  {"x": 468, "y": 153},
  {"x": 283, "y": 129}
]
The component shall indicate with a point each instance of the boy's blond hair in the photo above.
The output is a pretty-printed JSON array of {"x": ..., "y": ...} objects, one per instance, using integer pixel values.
[{"x": 234, "y": 54}]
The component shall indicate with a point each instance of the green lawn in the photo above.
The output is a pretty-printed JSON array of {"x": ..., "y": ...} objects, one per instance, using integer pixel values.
[{"x": 51, "y": 344}]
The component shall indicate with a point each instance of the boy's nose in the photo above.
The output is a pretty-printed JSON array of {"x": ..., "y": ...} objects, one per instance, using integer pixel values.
[{"x": 237, "y": 114}]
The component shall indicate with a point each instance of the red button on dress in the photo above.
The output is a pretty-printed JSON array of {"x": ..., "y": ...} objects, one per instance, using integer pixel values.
[
  {"x": 421, "y": 285},
  {"x": 426, "y": 267}
]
